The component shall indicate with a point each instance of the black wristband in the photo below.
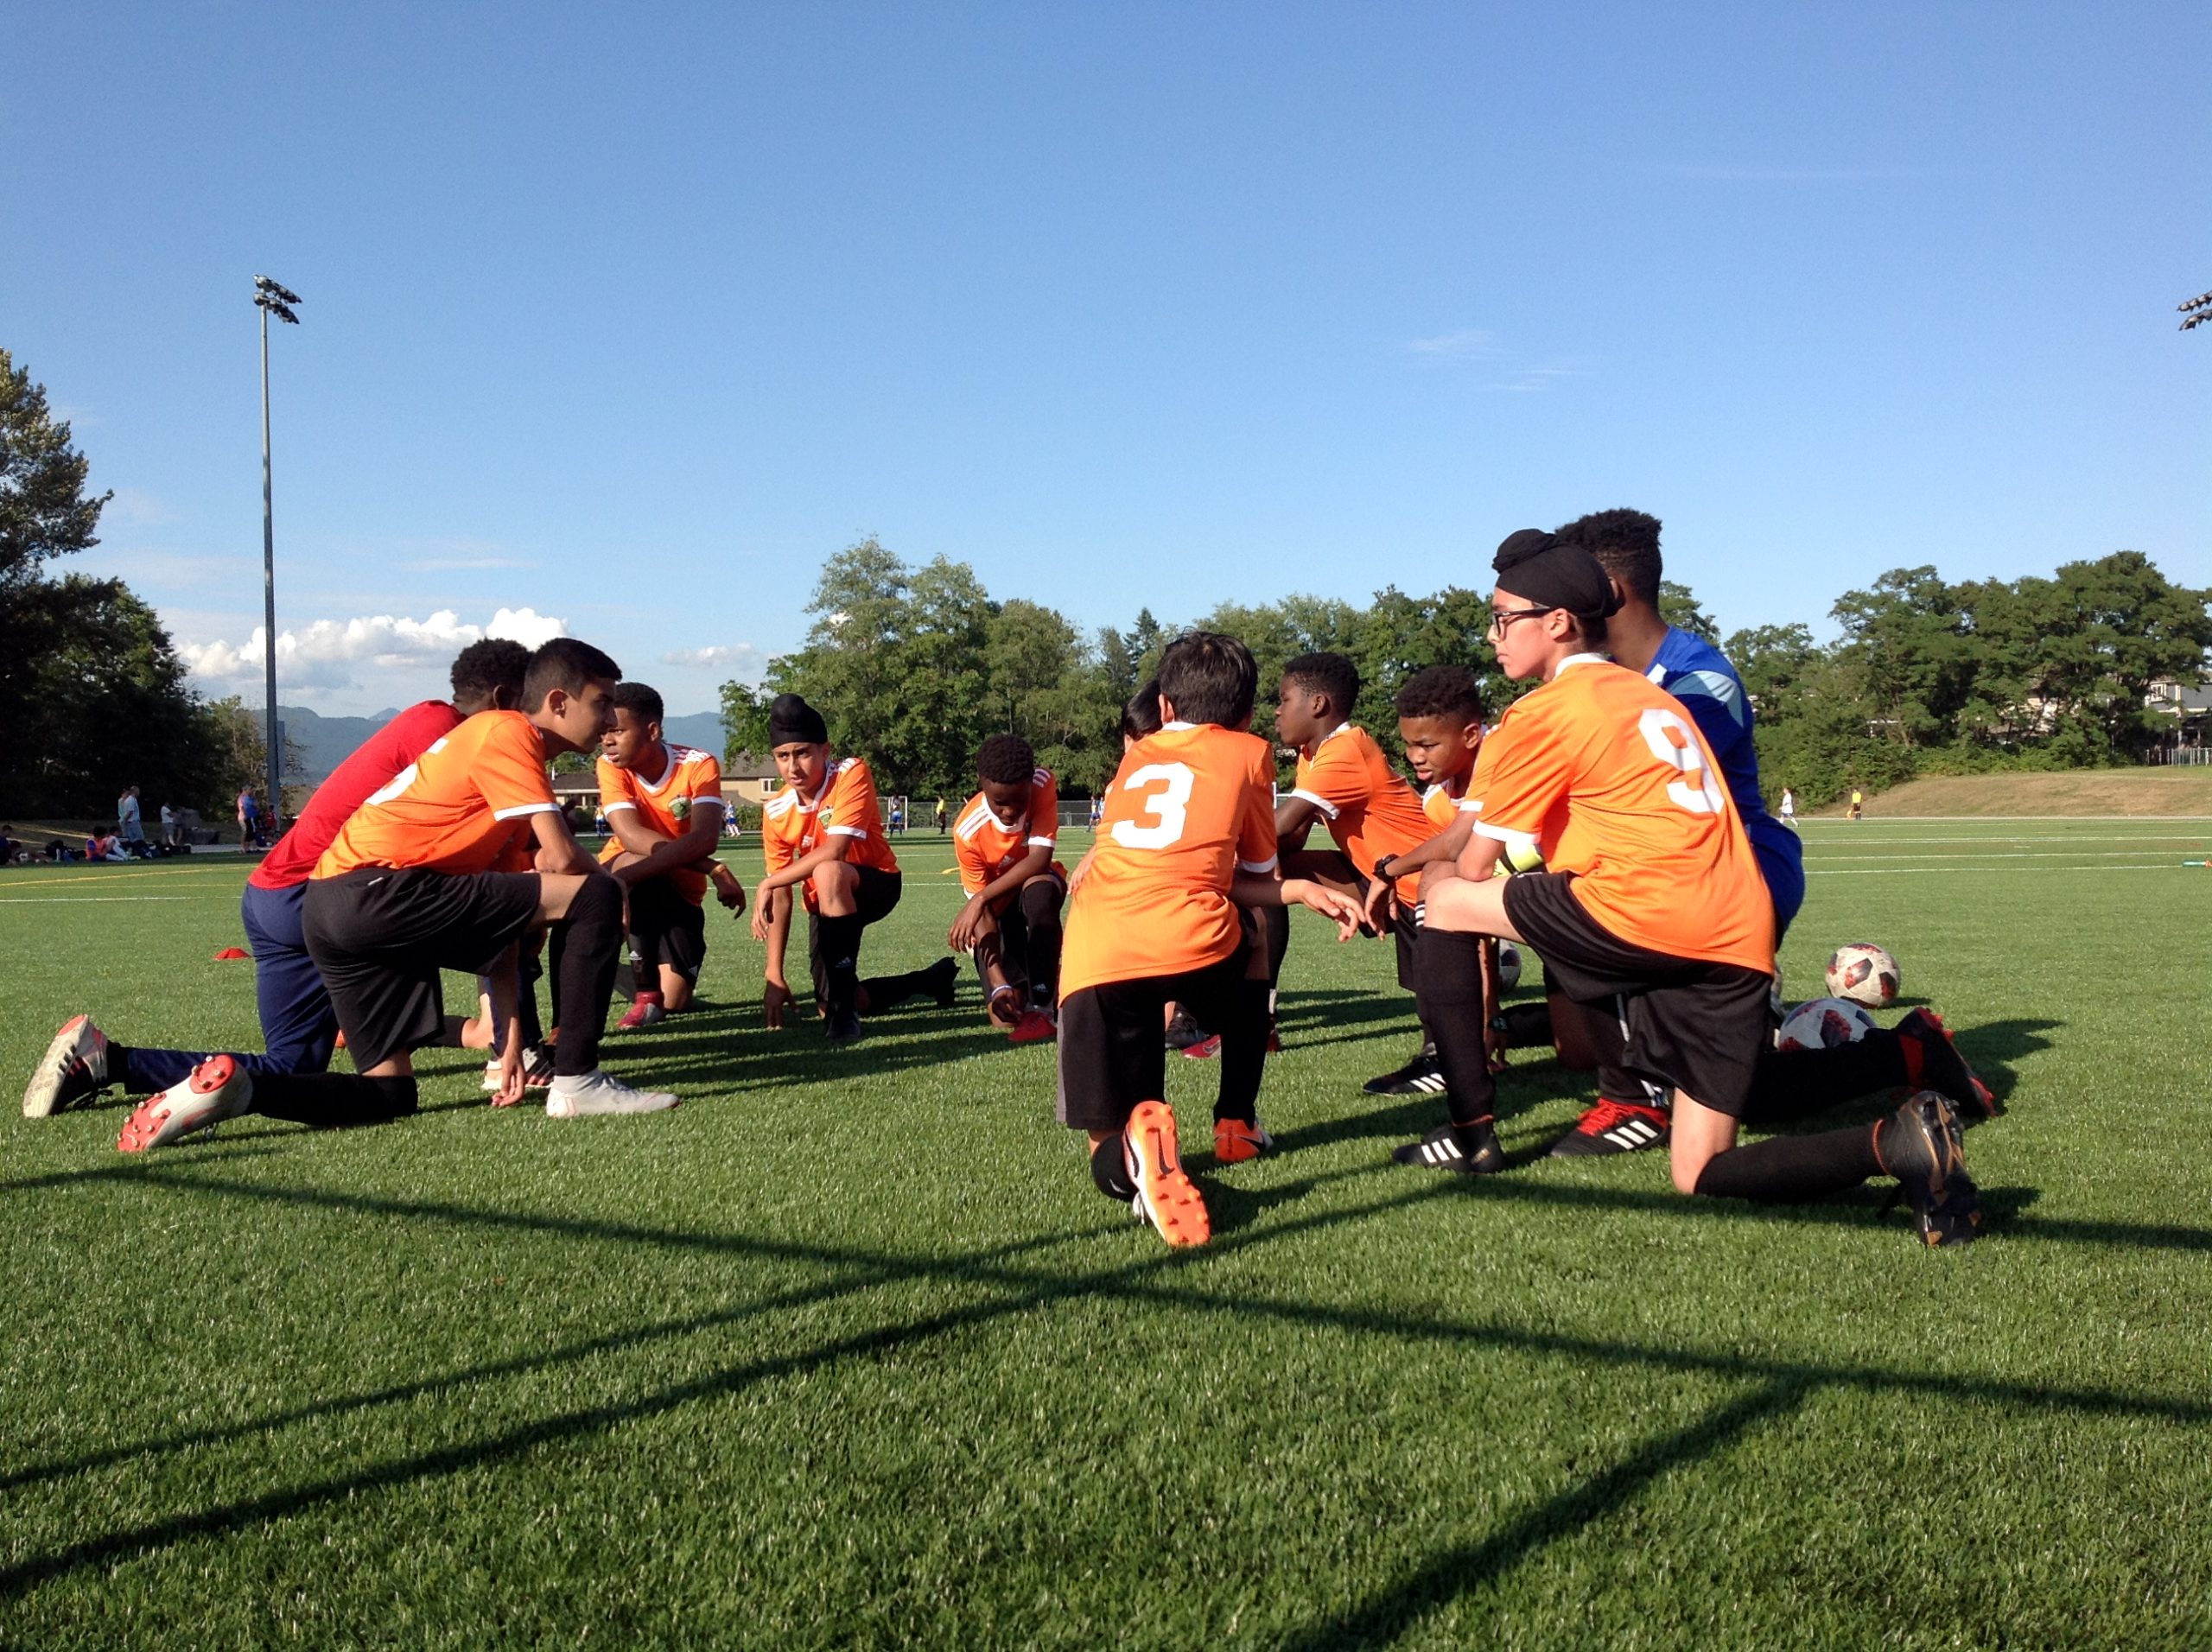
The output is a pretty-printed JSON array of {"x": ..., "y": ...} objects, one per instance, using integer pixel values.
[{"x": 1382, "y": 868}]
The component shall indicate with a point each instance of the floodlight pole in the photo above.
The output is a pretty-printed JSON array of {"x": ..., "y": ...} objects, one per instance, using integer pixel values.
[{"x": 274, "y": 800}]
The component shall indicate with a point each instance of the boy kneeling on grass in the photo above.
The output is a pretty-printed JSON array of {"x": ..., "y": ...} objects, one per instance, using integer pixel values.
[
  {"x": 1188, "y": 837},
  {"x": 1652, "y": 910},
  {"x": 1011, "y": 921}
]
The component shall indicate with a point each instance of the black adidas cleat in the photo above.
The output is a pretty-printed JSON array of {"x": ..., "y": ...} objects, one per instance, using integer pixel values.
[
  {"x": 843, "y": 1025},
  {"x": 1469, "y": 1150},
  {"x": 1420, "y": 1076},
  {"x": 1919, "y": 1144},
  {"x": 1615, "y": 1127},
  {"x": 1932, "y": 1061}
]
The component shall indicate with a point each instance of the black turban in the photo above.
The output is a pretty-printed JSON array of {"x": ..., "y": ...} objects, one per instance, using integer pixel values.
[
  {"x": 1552, "y": 573},
  {"x": 790, "y": 719}
]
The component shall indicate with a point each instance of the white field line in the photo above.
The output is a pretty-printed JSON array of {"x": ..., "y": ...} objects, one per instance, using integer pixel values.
[
  {"x": 1999, "y": 855},
  {"x": 78, "y": 900},
  {"x": 2061, "y": 837},
  {"x": 1963, "y": 865}
]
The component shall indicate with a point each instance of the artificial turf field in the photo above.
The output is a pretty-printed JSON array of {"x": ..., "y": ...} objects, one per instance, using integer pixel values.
[{"x": 848, "y": 1350}]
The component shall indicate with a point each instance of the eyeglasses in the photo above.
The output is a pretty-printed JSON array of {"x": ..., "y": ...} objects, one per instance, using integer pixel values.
[{"x": 1501, "y": 619}]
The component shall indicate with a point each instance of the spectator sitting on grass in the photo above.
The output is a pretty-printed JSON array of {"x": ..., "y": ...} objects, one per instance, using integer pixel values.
[{"x": 104, "y": 845}]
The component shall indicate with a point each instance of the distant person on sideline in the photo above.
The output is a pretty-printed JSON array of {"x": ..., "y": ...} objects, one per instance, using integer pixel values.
[{"x": 130, "y": 822}]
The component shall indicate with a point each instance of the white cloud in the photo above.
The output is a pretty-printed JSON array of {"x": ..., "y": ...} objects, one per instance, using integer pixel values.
[
  {"x": 332, "y": 655},
  {"x": 739, "y": 659},
  {"x": 1467, "y": 341}
]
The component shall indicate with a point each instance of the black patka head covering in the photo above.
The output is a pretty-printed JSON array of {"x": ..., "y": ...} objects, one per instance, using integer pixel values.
[
  {"x": 1550, "y": 574},
  {"x": 790, "y": 718}
]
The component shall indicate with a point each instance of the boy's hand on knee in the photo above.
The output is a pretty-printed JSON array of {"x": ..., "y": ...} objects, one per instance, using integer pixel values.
[{"x": 776, "y": 1001}]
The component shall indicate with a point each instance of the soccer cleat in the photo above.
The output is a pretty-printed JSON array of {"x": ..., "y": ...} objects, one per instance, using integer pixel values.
[
  {"x": 1932, "y": 1061},
  {"x": 219, "y": 1088},
  {"x": 599, "y": 1093},
  {"x": 843, "y": 1024},
  {"x": 74, "y": 1067},
  {"x": 1034, "y": 1027},
  {"x": 1184, "y": 1032},
  {"x": 1235, "y": 1140},
  {"x": 645, "y": 1009},
  {"x": 1421, "y": 1076},
  {"x": 1204, "y": 1050},
  {"x": 1274, "y": 1037},
  {"x": 1165, "y": 1197},
  {"x": 1614, "y": 1126},
  {"x": 1919, "y": 1144},
  {"x": 944, "y": 979},
  {"x": 1470, "y": 1150},
  {"x": 536, "y": 1070}
]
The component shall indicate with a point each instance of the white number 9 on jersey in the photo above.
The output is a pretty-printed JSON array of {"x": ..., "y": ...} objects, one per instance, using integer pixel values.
[
  {"x": 1165, "y": 808},
  {"x": 1698, "y": 793}
]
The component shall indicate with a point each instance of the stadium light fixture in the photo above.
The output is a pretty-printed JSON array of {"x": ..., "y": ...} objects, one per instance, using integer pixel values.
[
  {"x": 270, "y": 298},
  {"x": 2197, "y": 310}
]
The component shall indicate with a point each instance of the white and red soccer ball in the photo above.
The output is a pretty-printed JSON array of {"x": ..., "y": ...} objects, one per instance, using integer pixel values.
[
  {"x": 1823, "y": 1024},
  {"x": 1865, "y": 973}
]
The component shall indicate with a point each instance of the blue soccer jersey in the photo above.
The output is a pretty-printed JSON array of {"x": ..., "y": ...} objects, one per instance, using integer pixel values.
[{"x": 1698, "y": 675}]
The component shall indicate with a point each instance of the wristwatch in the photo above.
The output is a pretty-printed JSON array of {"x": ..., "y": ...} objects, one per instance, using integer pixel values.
[{"x": 1382, "y": 868}]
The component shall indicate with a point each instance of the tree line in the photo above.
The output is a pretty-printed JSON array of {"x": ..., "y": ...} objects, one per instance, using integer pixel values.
[
  {"x": 97, "y": 694},
  {"x": 914, "y": 667}
]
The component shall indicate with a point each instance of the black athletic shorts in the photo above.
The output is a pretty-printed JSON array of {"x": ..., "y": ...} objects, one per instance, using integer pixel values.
[
  {"x": 1112, "y": 1053},
  {"x": 878, "y": 894},
  {"x": 666, "y": 930},
  {"x": 380, "y": 937},
  {"x": 1679, "y": 1023}
]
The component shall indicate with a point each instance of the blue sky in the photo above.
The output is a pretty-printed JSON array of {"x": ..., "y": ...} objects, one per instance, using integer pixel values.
[{"x": 626, "y": 322}]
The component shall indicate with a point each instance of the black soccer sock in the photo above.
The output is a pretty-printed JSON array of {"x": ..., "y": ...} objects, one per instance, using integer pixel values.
[
  {"x": 1243, "y": 1053},
  {"x": 1448, "y": 994},
  {"x": 528, "y": 972},
  {"x": 1274, "y": 931},
  {"x": 1791, "y": 1084},
  {"x": 332, "y": 1101},
  {"x": 839, "y": 939},
  {"x": 1040, "y": 912},
  {"x": 1790, "y": 1170},
  {"x": 587, "y": 944}
]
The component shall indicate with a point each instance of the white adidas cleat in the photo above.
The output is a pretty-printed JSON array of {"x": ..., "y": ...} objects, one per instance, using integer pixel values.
[
  {"x": 74, "y": 1067},
  {"x": 219, "y": 1088},
  {"x": 599, "y": 1092},
  {"x": 537, "y": 1070}
]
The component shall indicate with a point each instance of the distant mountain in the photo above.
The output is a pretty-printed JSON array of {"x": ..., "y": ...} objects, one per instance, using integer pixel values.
[{"x": 320, "y": 743}]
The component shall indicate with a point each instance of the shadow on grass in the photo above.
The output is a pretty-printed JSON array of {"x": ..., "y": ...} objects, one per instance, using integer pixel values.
[{"x": 1171, "y": 1279}]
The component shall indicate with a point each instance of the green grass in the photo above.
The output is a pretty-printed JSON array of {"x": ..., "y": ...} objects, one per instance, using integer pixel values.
[{"x": 848, "y": 1350}]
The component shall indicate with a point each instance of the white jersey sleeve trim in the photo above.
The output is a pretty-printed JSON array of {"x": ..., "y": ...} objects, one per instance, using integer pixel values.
[
  {"x": 848, "y": 831},
  {"x": 1321, "y": 803},
  {"x": 1258, "y": 868},
  {"x": 618, "y": 804},
  {"x": 1518, "y": 842},
  {"x": 1043, "y": 842},
  {"x": 521, "y": 810}
]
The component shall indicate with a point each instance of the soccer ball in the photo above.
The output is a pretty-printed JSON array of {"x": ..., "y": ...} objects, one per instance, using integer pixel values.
[
  {"x": 1865, "y": 973},
  {"x": 1822, "y": 1025},
  {"x": 1509, "y": 965}
]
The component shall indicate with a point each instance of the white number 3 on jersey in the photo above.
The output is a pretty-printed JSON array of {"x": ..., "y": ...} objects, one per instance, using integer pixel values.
[
  {"x": 1674, "y": 743},
  {"x": 1165, "y": 808}
]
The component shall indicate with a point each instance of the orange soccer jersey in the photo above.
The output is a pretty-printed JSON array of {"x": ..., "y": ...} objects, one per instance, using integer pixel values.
[
  {"x": 1442, "y": 808},
  {"x": 792, "y": 827},
  {"x": 460, "y": 807},
  {"x": 1371, "y": 811},
  {"x": 692, "y": 777},
  {"x": 986, "y": 850},
  {"x": 1608, "y": 774},
  {"x": 1189, "y": 805}
]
